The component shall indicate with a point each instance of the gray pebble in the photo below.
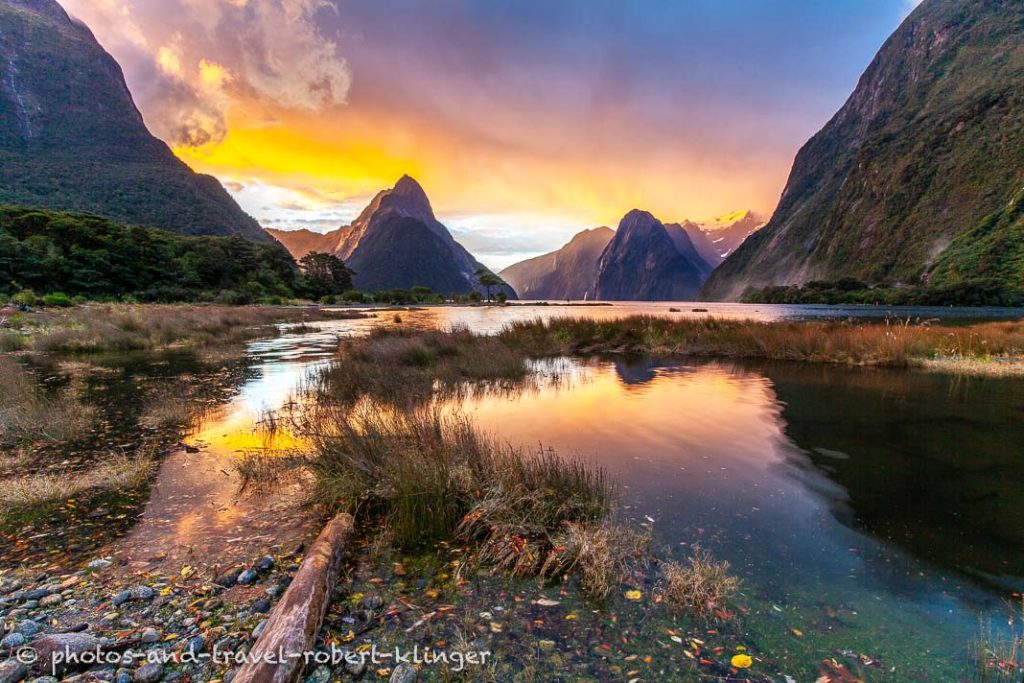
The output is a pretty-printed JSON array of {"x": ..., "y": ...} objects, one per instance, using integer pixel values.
[
  {"x": 403, "y": 673},
  {"x": 12, "y": 671},
  {"x": 265, "y": 563},
  {"x": 256, "y": 632},
  {"x": 148, "y": 673},
  {"x": 247, "y": 577},
  {"x": 260, "y": 606},
  {"x": 27, "y": 628},
  {"x": 37, "y": 594},
  {"x": 151, "y": 635},
  {"x": 99, "y": 564},
  {"x": 13, "y": 640},
  {"x": 195, "y": 644}
]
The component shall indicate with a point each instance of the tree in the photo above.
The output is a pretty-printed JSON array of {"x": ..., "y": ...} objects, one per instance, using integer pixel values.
[
  {"x": 325, "y": 274},
  {"x": 488, "y": 280}
]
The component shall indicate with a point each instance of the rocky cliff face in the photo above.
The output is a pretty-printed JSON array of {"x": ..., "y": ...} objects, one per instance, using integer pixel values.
[
  {"x": 646, "y": 261},
  {"x": 396, "y": 242},
  {"x": 928, "y": 146},
  {"x": 72, "y": 139},
  {"x": 568, "y": 273}
]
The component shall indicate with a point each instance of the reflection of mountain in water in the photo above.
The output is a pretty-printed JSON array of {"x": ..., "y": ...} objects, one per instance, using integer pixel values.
[{"x": 928, "y": 462}]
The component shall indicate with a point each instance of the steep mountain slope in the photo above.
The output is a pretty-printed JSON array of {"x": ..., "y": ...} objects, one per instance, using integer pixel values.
[
  {"x": 647, "y": 261},
  {"x": 72, "y": 139},
  {"x": 377, "y": 246},
  {"x": 930, "y": 143},
  {"x": 568, "y": 273}
]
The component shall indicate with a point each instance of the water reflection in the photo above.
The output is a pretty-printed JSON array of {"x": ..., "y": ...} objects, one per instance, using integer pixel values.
[
  {"x": 856, "y": 490},
  {"x": 929, "y": 462}
]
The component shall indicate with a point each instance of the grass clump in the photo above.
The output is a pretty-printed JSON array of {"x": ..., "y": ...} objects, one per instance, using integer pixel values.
[
  {"x": 119, "y": 472},
  {"x": 28, "y": 414},
  {"x": 600, "y": 553},
  {"x": 407, "y": 366},
  {"x": 432, "y": 476},
  {"x": 702, "y": 587}
]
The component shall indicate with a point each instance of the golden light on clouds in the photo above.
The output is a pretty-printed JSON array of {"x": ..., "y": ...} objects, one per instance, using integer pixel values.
[{"x": 524, "y": 123}]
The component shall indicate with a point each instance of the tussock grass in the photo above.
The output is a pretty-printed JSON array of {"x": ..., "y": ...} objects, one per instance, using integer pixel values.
[
  {"x": 407, "y": 366},
  {"x": 432, "y": 476},
  {"x": 123, "y": 327},
  {"x": 889, "y": 343},
  {"x": 119, "y": 472},
  {"x": 602, "y": 554},
  {"x": 29, "y": 414},
  {"x": 997, "y": 655},
  {"x": 702, "y": 587}
]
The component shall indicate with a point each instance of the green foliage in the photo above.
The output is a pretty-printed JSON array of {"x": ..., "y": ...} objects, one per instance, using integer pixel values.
[
  {"x": 25, "y": 297},
  {"x": 325, "y": 275},
  {"x": 488, "y": 281},
  {"x": 973, "y": 292},
  {"x": 992, "y": 253},
  {"x": 59, "y": 299},
  {"x": 87, "y": 256}
]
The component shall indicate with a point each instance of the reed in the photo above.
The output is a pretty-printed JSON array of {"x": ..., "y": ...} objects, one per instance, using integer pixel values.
[
  {"x": 890, "y": 343},
  {"x": 400, "y": 366}
]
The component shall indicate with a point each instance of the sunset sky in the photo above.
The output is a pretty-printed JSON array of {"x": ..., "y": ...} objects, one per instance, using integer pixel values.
[{"x": 524, "y": 121}]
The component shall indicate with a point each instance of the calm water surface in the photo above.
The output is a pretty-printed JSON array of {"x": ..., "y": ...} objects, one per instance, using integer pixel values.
[{"x": 874, "y": 512}]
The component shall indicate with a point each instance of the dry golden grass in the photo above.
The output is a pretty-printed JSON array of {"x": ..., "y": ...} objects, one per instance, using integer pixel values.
[
  {"x": 29, "y": 414},
  {"x": 602, "y": 554},
  {"x": 890, "y": 343},
  {"x": 702, "y": 587},
  {"x": 117, "y": 473},
  {"x": 124, "y": 327},
  {"x": 432, "y": 476},
  {"x": 409, "y": 366}
]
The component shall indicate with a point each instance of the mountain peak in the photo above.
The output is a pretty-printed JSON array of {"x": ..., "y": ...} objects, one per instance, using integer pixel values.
[
  {"x": 408, "y": 198},
  {"x": 638, "y": 219},
  {"x": 407, "y": 185}
]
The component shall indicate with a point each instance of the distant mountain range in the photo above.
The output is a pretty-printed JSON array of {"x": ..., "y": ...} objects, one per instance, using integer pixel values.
[
  {"x": 919, "y": 178},
  {"x": 396, "y": 242},
  {"x": 643, "y": 260},
  {"x": 71, "y": 138}
]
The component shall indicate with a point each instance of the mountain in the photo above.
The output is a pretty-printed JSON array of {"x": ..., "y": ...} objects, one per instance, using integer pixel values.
[
  {"x": 72, "y": 139},
  {"x": 717, "y": 238},
  {"x": 568, "y": 273},
  {"x": 395, "y": 242},
  {"x": 649, "y": 261},
  {"x": 728, "y": 232},
  {"x": 926, "y": 154}
]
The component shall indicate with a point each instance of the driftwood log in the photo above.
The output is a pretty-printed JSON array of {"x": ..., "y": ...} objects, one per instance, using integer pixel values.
[{"x": 291, "y": 630}]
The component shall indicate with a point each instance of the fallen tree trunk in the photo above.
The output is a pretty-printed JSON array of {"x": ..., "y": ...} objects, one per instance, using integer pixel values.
[{"x": 279, "y": 653}]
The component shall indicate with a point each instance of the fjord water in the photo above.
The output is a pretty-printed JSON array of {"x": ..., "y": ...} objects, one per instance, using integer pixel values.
[
  {"x": 875, "y": 513},
  {"x": 869, "y": 512}
]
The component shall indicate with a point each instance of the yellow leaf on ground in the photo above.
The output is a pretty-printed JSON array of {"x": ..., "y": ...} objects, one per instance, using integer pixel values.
[{"x": 742, "y": 661}]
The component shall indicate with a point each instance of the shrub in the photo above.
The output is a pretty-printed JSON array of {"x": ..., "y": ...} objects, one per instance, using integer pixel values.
[
  {"x": 25, "y": 297},
  {"x": 57, "y": 299}
]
